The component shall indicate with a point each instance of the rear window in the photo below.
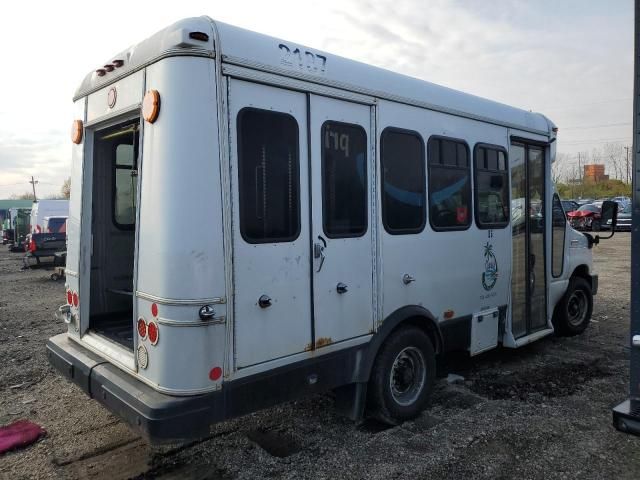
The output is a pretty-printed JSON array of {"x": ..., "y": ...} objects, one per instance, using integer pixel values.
[{"x": 57, "y": 225}]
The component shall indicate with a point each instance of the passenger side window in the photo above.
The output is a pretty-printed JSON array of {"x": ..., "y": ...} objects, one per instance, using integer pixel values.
[
  {"x": 403, "y": 182},
  {"x": 449, "y": 184},
  {"x": 491, "y": 187},
  {"x": 268, "y": 176},
  {"x": 559, "y": 226},
  {"x": 344, "y": 180}
]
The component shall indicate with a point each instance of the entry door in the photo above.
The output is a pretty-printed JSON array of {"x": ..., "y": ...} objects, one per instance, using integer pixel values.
[
  {"x": 528, "y": 281},
  {"x": 341, "y": 179},
  {"x": 271, "y": 243}
]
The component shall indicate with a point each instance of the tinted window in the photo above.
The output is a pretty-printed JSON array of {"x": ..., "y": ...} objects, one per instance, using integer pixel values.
[
  {"x": 268, "y": 176},
  {"x": 344, "y": 180},
  {"x": 492, "y": 187},
  {"x": 449, "y": 184},
  {"x": 403, "y": 182},
  {"x": 557, "y": 240}
]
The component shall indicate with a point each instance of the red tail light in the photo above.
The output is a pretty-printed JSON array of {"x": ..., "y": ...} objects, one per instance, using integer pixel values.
[
  {"x": 142, "y": 328},
  {"x": 69, "y": 297},
  {"x": 76, "y": 300},
  {"x": 152, "y": 331},
  {"x": 32, "y": 245}
]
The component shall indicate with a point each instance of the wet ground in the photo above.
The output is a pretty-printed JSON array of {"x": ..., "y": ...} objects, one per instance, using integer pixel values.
[{"x": 543, "y": 411}]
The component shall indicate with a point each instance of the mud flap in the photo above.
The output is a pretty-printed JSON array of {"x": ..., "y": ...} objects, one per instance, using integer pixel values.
[{"x": 351, "y": 400}]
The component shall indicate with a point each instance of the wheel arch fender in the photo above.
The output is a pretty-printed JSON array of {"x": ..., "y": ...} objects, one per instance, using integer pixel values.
[{"x": 407, "y": 315}]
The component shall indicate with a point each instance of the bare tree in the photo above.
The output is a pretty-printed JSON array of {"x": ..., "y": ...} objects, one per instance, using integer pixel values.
[{"x": 66, "y": 188}]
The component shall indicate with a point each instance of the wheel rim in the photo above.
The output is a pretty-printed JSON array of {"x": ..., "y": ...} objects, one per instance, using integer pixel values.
[
  {"x": 577, "y": 307},
  {"x": 408, "y": 375}
]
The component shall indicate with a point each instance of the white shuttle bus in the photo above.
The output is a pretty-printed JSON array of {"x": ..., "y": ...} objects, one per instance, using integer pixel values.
[{"x": 252, "y": 220}]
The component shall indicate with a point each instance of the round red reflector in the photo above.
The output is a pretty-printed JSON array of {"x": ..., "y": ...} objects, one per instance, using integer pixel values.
[
  {"x": 152, "y": 331},
  {"x": 76, "y": 300},
  {"x": 76, "y": 131},
  {"x": 215, "y": 373},
  {"x": 69, "y": 297},
  {"x": 142, "y": 328},
  {"x": 154, "y": 309}
]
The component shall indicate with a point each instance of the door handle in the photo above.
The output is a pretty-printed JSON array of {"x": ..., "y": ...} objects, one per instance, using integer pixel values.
[
  {"x": 318, "y": 251},
  {"x": 341, "y": 288}
]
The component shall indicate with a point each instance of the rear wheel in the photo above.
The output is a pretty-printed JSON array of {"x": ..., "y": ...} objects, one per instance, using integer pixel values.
[
  {"x": 573, "y": 313},
  {"x": 402, "y": 378}
]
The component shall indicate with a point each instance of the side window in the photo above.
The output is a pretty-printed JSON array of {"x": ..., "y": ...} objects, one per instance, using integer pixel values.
[
  {"x": 268, "y": 176},
  {"x": 491, "y": 187},
  {"x": 125, "y": 183},
  {"x": 344, "y": 180},
  {"x": 559, "y": 225},
  {"x": 449, "y": 184}
]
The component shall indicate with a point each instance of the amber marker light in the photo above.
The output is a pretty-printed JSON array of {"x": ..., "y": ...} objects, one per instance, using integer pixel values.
[
  {"x": 151, "y": 106},
  {"x": 76, "y": 132}
]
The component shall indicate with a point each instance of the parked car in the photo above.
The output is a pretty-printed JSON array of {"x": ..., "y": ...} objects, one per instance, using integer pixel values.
[
  {"x": 587, "y": 217},
  {"x": 624, "y": 219},
  {"x": 569, "y": 206}
]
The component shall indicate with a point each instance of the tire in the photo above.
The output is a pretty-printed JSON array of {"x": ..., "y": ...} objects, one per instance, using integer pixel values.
[
  {"x": 573, "y": 313},
  {"x": 402, "y": 378}
]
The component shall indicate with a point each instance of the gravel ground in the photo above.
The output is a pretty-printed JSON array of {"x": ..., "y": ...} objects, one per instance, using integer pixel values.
[{"x": 543, "y": 411}]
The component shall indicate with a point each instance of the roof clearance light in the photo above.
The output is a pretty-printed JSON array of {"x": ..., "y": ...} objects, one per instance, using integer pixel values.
[
  {"x": 76, "y": 132},
  {"x": 118, "y": 63},
  {"x": 151, "y": 106},
  {"x": 153, "y": 332},
  {"x": 101, "y": 72},
  {"x": 142, "y": 328},
  {"x": 203, "y": 37},
  {"x": 554, "y": 129},
  {"x": 109, "y": 68}
]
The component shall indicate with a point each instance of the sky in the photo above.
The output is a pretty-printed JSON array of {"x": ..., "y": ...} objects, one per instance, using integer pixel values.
[{"x": 569, "y": 59}]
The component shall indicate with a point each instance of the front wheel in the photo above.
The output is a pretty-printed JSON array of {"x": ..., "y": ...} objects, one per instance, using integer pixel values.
[
  {"x": 573, "y": 313},
  {"x": 402, "y": 378}
]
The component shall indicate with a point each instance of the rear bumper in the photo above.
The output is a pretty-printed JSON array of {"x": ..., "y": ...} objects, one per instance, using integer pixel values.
[
  {"x": 156, "y": 416},
  {"x": 164, "y": 418}
]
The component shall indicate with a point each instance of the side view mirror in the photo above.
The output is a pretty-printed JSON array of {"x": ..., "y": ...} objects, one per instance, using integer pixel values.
[
  {"x": 608, "y": 219},
  {"x": 609, "y": 216}
]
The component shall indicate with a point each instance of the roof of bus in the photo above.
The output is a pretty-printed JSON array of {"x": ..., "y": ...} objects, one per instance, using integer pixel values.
[{"x": 246, "y": 48}]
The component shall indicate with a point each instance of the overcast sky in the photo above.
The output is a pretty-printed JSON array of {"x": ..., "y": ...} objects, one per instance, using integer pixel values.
[{"x": 569, "y": 59}]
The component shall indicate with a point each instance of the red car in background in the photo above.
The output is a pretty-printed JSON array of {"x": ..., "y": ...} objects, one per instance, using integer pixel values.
[{"x": 587, "y": 217}]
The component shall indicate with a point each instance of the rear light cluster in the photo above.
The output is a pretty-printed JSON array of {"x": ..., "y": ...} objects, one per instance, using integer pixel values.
[
  {"x": 73, "y": 299},
  {"x": 146, "y": 331},
  {"x": 149, "y": 330}
]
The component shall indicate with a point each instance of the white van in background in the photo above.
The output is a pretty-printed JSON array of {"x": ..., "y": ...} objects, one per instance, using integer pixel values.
[{"x": 46, "y": 208}]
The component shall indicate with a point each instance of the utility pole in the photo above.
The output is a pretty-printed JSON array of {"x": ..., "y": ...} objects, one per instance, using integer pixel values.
[
  {"x": 580, "y": 176},
  {"x": 33, "y": 184},
  {"x": 626, "y": 416},
  {"x": 627, "y": 149}
]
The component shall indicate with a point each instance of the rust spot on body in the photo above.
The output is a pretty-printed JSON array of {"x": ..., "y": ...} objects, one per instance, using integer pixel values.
[{"x": 323, "y": 342}]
